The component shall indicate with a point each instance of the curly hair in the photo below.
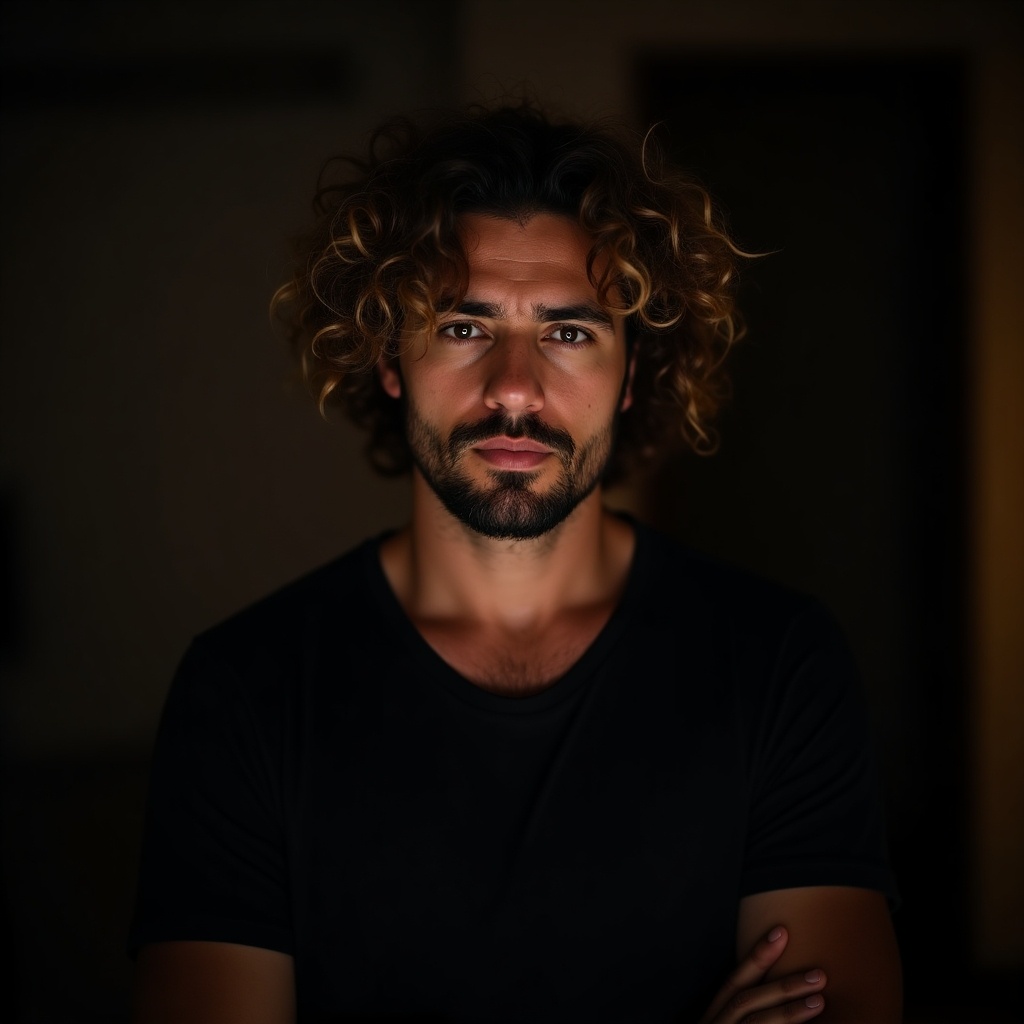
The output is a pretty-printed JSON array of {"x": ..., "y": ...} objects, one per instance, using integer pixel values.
[{"x": 384, "y": 256}]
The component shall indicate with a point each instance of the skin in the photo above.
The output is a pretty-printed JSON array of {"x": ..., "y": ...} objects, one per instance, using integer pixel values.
[
  {"x": 513, "y": 615},
  {"x": 846, "y": 933},
  {"x": 746, "y": 991},
  {"x": 213, "y": 983}
]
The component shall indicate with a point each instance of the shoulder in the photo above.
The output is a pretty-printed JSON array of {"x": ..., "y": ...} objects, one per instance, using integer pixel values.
[
  {"x": 260, "y": 660},
  {"x": 248, "y": 675},
  {"x": 678, "y": 584},
  {"x": 334, "y": 596},
  {"x": 736, "y": 637}
]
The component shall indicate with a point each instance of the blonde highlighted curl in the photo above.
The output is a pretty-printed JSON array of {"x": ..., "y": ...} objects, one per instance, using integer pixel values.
[{"x": 384, "y": 258}]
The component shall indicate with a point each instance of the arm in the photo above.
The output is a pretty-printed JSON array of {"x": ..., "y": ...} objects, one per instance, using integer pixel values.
[
  {"x": 213, "y": 873},
  {"x": 213, "y": 983},
  {"x": 845, "y": 932},
  {"x": 815, "y": 856},
  {"x": 747, "y": 997}
]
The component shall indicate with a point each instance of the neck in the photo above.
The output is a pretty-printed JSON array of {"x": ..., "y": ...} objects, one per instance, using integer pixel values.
[{"x": 443, "y": 571}]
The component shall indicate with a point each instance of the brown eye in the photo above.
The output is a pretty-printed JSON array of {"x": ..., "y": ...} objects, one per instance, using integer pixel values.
[
  {"x": 570, "y": 335},
  {"x": 462, "y": 331}
]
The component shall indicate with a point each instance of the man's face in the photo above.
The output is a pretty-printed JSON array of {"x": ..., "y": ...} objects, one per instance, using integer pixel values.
[{"x": 511, "y": 405}]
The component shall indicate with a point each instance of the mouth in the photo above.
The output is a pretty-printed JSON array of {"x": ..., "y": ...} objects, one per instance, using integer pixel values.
[
  {"x": 512, "y": 452},
  {"x": 512, "y": 444}
]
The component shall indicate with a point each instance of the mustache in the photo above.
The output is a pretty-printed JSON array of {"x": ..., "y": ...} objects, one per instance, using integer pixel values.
[{"x": 465, "y": 435}]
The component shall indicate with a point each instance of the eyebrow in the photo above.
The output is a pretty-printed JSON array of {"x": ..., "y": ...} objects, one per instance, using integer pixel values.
[{"x": 585, "y": 312}]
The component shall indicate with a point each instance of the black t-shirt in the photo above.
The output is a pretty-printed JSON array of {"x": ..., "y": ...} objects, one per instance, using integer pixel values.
[{"x": 324, "y": 784}]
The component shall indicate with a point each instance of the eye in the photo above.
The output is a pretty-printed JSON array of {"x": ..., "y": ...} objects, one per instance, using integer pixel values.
[
  {"x": 462, "y": 331},
  {"x": 567, "y": 334}
]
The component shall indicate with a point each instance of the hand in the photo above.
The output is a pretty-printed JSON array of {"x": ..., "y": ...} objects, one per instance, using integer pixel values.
[{"x": 743, "y": 1000}]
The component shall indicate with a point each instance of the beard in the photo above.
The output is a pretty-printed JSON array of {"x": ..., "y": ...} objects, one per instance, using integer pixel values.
[{"x": 510, "y": 509}]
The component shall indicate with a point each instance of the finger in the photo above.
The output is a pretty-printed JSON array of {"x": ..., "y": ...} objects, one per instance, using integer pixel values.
[
  {"x": 751, "y": 969},
  {"x": 797, "y": 997},
  {"x": 789, "y": 1013}
]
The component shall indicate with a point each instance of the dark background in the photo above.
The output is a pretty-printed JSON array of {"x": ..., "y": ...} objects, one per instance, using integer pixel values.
[
  {"x": 860, "y": 194},
  {"x": 159, "y": 468}
]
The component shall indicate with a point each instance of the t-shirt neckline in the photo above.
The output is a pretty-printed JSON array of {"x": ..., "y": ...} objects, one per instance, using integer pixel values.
[{"x": 438, "y": 671}]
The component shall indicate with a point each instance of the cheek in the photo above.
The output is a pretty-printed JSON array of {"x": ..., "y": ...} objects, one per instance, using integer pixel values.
[
  {"x": 447, "y": 390},
  {"x": 442, "y": 395},
  {"x": 596, "y": 394}
]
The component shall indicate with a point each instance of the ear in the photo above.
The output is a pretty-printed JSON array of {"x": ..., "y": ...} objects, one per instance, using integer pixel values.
[
  {"x": 390, "y": 377},
  {"x": 627, "y": 387}
]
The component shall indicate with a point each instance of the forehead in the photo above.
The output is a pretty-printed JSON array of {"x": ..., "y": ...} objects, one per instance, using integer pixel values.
[{"x": 546, "y": 252}]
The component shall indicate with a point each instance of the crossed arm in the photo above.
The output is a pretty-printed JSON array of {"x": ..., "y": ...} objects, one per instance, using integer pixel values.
[
  {"x": 842, "y": 933},
  {"x": 213, "y": 983}
]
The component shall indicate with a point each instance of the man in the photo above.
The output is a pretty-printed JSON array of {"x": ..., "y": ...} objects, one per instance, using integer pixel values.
[{"x": 523, "y": 759}]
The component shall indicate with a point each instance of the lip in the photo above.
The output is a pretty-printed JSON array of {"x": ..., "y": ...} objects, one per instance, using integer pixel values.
[
  {"x": 518, "y": 453},
  {"x": 512, "y": 444}
]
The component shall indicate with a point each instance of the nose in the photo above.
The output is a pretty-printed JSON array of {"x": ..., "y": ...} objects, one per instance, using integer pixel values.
[{"x": 513, "y": 381}]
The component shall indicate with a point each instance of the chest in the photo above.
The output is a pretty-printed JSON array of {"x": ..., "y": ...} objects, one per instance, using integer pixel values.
[
  {"x": 563, "y": 868},
  {"x": 516, "y": 662}
]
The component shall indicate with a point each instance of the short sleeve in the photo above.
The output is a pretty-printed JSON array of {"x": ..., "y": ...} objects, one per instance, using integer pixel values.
[
  {"x": 214, "y": 855},
  {"x": 815, "y": 813}
]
